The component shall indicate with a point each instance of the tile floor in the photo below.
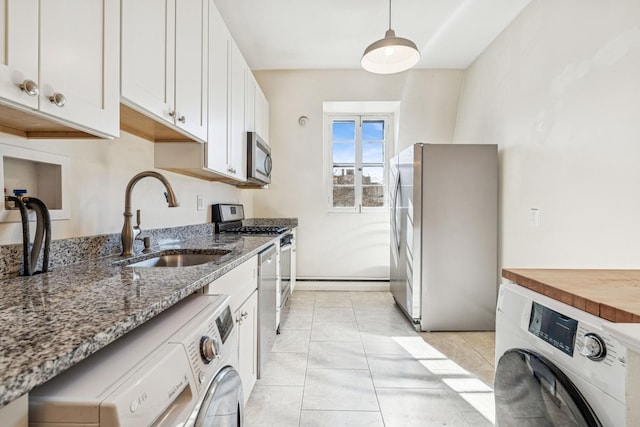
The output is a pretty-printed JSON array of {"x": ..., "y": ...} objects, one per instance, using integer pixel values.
[{"x": 353, "y": 359}]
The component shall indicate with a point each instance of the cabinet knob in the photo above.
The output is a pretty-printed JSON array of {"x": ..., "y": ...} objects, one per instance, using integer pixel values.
[
  {"x": 29, "y": 87},
  {"x": 172, "y": 113},
  {"x": 182, "y": 119},
  {"x": 58, "y": 99}
]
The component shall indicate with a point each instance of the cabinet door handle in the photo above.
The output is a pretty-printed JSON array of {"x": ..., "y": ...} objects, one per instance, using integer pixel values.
[
  {"x": 172, "y": 113},
  {"x": 29, "y": 87},
  {"x": 182, "y": 119},
  {"x": 244, "y": 315},
  {"x": 58, "y": 99}
]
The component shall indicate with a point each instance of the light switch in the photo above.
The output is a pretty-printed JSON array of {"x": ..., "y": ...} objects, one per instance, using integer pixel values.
[
  {"x": 534, "y": 217},
  {"x": 200, "y": 202}
]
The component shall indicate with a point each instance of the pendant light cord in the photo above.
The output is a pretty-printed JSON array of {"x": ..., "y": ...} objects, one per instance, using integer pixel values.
[{"x": 389, "y": 14}]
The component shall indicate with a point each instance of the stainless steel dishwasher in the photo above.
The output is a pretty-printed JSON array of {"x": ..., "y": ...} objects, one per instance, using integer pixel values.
[{"x": 267, "y": 304}]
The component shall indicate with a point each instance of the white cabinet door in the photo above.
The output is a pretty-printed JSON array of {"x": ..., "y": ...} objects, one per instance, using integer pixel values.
[
  {"x": 217, "y": 156},
  {"x": 226, "y": 147},
  {"x": 68, "y": 49},
  {"x": 148, "y": 49},
  {"x": 237, "y": 135},
  {"x": 247, "y": 321},
  {"x": 191, "y": 66},
  {"x": 18, "y": 50},
  {"x": 79, "y": 62},
  {"x": 165, "y": 62},
  {"x": 250, "y": 117},
  {"x": 256, "y": 108},
  {"x": 265, "y": 120}
]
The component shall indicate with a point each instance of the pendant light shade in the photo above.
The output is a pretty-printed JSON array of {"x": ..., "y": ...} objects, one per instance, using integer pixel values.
[{"x": 391, "y": 54}]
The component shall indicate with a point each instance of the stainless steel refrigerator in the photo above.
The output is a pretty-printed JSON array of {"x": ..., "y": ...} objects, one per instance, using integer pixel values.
[{"x": 444, "y": 235}]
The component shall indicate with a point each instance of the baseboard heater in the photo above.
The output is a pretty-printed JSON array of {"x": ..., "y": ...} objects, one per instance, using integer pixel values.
[{"x": 310, "y": 279}]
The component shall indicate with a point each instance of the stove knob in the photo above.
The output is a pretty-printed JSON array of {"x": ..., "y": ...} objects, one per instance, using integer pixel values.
[
  {"x": 209, "y": 349},
  {"x": 593, "y": 347}
]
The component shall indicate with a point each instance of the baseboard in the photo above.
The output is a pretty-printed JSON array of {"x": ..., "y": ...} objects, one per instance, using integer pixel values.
[{"x": 327, "y": 285}]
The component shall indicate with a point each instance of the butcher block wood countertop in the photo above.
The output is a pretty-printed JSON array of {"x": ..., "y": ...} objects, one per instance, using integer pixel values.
[{"x": 611, "y": 294}]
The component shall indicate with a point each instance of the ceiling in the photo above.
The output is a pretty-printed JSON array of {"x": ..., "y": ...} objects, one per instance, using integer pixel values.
[{"x": 333, "y": 34}]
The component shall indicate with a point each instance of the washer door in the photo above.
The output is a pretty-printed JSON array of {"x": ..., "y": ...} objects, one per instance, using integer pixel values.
[
  {"x": 222, "y": 405},
  {"x": 531, "y": 391}
]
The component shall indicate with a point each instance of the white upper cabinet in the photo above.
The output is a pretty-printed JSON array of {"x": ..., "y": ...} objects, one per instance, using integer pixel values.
[
  {"x": 256, "y": 108},
  {"x": 232, "y": 97},
  {"x": 226, "y": 148},
  {"x": 217, "y": 156},
  {"x": 164, "y": 62},
  {"x": 59, "y": 62}
]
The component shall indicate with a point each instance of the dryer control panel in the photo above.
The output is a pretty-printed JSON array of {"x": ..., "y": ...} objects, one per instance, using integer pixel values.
[{"x": 553, "y": 327}]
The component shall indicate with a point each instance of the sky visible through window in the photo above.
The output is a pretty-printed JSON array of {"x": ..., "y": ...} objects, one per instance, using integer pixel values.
[
  {"x": 346, "y": 144},
  {"x": 344, "y": 136}
]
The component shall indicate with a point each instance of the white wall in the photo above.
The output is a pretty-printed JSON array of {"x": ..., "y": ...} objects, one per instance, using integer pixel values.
[
  {"x": 340, "y": 246},
  {"x": 559, "y": 91},
  {"x": 100, "y": 171}
]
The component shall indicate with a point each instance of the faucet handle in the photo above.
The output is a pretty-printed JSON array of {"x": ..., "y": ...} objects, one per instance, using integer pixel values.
[{"x": 138, "y": 218}]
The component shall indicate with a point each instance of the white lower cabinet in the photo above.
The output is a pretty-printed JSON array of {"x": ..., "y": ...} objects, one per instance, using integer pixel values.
[
  {"x": 246, "y": 318},
  {"x": 241, "y": 284}
]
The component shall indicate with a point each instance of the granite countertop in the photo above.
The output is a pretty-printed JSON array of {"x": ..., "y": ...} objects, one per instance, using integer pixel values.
[
  {"x": 613, "y": 295},
  {"x": 54, "y": 320}
]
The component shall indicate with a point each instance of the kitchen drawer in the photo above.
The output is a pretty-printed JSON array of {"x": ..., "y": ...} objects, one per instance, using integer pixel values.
[{"x": 238, "y": 283}]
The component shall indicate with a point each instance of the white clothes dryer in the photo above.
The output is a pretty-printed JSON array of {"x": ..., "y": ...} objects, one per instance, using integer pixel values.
[
  {"x": 555, "y": 365},
  {"x": 176, "y": 369}
]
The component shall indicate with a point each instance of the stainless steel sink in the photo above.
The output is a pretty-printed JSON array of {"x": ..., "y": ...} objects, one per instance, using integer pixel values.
[{"x": 181, "y": 259}]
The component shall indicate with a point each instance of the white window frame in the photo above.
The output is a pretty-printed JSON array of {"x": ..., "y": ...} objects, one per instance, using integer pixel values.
[{"x": 388, "y": 145}]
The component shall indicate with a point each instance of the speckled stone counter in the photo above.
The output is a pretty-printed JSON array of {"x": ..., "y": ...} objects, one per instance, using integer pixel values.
[{"x": 54, "y": 320}]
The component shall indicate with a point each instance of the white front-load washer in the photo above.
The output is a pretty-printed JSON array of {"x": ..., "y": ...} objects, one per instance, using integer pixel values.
[
  {"x": 177, "y": 369},
  {"x": 555, "y": 365}
]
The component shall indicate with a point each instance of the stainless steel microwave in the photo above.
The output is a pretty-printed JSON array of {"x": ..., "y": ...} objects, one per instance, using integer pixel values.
[{"x": 258, "y": 160}]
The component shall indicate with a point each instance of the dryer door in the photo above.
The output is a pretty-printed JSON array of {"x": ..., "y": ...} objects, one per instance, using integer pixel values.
[
  {"x": 531, "y": 391},
  {"x": 222, "y": 405}
]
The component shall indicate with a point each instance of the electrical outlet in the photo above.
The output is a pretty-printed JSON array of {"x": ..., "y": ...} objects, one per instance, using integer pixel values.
[{"x": 200, "y": 202}]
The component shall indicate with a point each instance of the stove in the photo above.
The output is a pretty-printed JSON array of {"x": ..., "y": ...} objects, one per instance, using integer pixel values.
[{"x": 228, "y": 219}]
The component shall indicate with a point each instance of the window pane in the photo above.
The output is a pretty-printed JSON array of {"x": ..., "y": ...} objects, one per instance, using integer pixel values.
[
  {"x": 373, "y": 196},
  {"x": 344, "y": 152},
  {"x": 373, "y": 152},
  {"x": 343, "y": 175},
  {"x": 344, "y": 131},
  {"x": 372, "y": 175},
  {"x": 344, "y": 197},
  {"x": 373, "y": 130}
]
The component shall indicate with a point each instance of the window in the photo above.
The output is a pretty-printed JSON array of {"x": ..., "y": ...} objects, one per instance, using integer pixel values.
[{"x": 358, "y": 163}]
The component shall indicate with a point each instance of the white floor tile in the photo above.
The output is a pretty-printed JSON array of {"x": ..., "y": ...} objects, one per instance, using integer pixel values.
[
  {"x": 340, "y": 419},
  {"x": 339, "y": 389},
  {"x": 291, "y": 341},
  {"x": 419, "y": 408},
  {"x": 334, "y": 331},
  {"x": 337, "y": 355},
  {"x": 334, "y": 314},
  {"x": 353, "y": 359},
  {"x": 273, "y": 406},
  {"x": 285, "y": 369},
  {"x": 297, "y": 319},
  {"x": 333, "y": 299},
  {"x": 401, "y": 371}
]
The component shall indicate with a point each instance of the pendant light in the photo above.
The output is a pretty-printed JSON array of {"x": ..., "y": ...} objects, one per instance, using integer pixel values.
[{"x": 391, "y": 54}]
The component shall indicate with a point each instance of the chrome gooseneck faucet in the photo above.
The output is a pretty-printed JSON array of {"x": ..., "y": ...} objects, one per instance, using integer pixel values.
[{"x": 128, "y": 232}]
